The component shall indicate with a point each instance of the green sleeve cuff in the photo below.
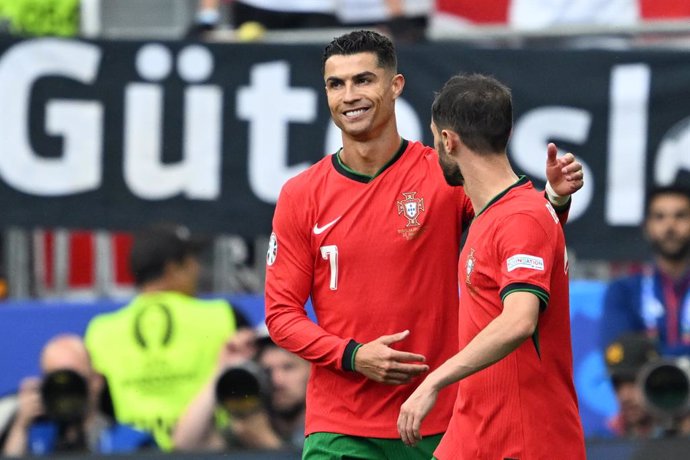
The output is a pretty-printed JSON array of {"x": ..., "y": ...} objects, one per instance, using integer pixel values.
[{"x": 349, "y": 355}]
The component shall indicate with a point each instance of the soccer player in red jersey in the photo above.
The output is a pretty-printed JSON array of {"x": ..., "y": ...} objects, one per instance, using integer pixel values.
[
  {"x": 516, "y": 397},
  {"x": 372, "y": 234}
]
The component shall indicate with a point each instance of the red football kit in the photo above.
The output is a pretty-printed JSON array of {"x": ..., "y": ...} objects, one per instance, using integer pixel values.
[
  {"x": 378, "y": 256},
  {"x": 524, "y": 406}
]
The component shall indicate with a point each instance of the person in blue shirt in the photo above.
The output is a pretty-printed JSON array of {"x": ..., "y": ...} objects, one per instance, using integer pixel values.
[
  {"x": 656, "y": 302},
  {"x": 60, "y": 411}
]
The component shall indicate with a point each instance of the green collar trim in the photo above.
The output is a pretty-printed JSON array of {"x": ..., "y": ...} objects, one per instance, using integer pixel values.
[
  {"x": 343, "y": 169},
  {"x": 522, "y": 180}
]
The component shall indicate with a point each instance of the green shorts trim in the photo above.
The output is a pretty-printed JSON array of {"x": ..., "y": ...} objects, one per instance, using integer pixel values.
[{"x": 332, "y": 446}]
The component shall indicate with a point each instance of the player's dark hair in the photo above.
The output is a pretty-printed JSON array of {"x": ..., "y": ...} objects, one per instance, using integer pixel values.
[
  {"x": 656, "y": 192},
  {"x": 477, "y": 107},
  {"x": 363, "y": 41}
]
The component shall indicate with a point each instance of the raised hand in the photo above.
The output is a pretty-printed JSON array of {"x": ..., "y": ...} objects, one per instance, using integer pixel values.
[
  {"x": 565, "y": 174},
  {"x": 29, "y": 398},
  {"x": 381, "y": 363}
]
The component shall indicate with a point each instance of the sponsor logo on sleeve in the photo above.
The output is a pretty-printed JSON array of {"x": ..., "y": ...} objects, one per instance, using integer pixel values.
[{"x": 525, "y": 261}]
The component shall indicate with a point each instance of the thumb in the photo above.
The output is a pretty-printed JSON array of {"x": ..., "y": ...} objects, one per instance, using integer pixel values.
[
  {"x": 389, "y": 339},
  {"x": 551, "y": 154}
]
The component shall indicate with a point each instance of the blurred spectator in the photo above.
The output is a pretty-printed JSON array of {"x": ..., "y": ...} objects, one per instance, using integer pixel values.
[
  {"x": 158, "y": 351},
  {"x": 657, "y": 301},
  {"x": 248, "y": 406},
  {"x": 229, "y": 412},
  {"x": 625, "y": 357},
  {"x": 288, "y": 375},
  {"x": 404, "y": 20},
  {"x": 249, "y": 17},
  {"x": 40, "y": 17},
  {"x": 60, "y": 412}
]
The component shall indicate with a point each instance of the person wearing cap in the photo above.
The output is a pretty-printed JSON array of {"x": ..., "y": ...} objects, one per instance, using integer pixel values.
[
  {"x": 625, "y": 357},
  {"x": 60, "y": 411},
  {"x": 157, "y": 352}
]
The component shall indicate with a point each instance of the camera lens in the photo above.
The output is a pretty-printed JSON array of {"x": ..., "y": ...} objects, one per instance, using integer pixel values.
[
  {"x": 65, "y": 396},
  {"x": 238, "y": 390},
  {"x": 667, "y": 388}
]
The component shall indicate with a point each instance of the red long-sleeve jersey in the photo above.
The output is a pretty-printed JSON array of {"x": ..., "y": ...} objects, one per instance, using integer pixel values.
[
  {"x": 378, "y": 256},
  {"x": 524, "y": 406}
]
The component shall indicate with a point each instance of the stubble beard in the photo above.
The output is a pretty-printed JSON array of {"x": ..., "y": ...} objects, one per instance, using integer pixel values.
[{"x": 451, "y": 170}]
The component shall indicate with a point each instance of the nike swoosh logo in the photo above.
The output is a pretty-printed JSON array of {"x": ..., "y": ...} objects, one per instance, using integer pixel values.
[{"x": 319, "y": 230}]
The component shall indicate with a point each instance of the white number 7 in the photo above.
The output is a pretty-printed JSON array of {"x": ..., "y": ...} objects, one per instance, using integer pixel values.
[{"x": 330, "y": 253}]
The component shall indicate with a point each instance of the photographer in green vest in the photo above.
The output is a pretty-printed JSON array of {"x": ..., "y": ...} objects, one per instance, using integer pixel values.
[
  {"x": 41, "y": 17},
  {"x": 157, "y": 352}
]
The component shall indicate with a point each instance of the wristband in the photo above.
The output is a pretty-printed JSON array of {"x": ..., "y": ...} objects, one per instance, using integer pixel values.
[{"x": 555, "y": 198}]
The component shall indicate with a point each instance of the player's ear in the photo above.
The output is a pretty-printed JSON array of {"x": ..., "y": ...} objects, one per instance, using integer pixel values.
[
  {"x": 451, "y": 141},
  {"x": 398, "y": 84}
]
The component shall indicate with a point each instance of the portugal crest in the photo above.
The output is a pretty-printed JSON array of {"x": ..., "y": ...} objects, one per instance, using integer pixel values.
[
  {"x": 411, "y": 207},
  {"x": 469, "y": 267}
]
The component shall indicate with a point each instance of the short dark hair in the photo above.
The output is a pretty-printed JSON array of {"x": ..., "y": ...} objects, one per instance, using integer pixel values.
[
  {"x": 477, "y": 107},
  {"x": 158, "y": 244},
  {"x": 656, "y": 192},
  {"x": 363, "y": 41}
]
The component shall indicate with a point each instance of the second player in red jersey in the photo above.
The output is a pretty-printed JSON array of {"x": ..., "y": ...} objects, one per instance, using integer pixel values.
[{"x": 516, "y": 398}]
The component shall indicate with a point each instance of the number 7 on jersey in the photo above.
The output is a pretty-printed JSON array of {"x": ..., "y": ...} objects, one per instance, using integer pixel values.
[{"x": 330, "y": 253}]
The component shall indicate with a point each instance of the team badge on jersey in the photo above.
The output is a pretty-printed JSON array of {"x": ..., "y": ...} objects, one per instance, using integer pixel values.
[
  {"x": 469, "y": 267},
  {"x": 411, "y": 207},
  {"x": 272, "y": 249}
]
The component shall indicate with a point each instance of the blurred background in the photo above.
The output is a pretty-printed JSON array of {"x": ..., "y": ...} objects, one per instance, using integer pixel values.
[{"x": 117, "y": 114}]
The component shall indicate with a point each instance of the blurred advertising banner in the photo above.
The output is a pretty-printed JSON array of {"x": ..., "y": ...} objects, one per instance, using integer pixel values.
[{"x": 116, "y": 134}]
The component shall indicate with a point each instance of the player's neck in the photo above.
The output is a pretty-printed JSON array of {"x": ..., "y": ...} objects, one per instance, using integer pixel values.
[
  {"x": 369, "y": 156},
  {"x": 486, "y": 177}
]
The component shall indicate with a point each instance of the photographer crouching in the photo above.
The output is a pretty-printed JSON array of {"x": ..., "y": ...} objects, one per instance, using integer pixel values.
[{"x": 60, "y": 411}]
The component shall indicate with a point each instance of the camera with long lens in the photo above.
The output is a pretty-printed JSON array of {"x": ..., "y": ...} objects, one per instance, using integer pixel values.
[
  {"x": 65, "y": 396},
  {"x": 240, "y": 390},
  {"x": 665, "y": 385}
]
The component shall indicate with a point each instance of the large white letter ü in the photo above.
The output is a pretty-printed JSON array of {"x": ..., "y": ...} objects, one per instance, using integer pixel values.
[
  {"x": 79, "y": 122},
  {"x": 198, "y": 174},
  {"x": 269, "y": 104}
]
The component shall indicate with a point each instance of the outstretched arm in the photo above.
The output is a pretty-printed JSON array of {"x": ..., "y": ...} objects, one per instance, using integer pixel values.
[{"x": 500, "y": 337}]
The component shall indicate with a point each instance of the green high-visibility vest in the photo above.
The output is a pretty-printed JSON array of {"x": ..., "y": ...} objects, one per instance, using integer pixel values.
[
  {"x": 42, "y": 17},
  {"x": 156, "y": 354}
]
